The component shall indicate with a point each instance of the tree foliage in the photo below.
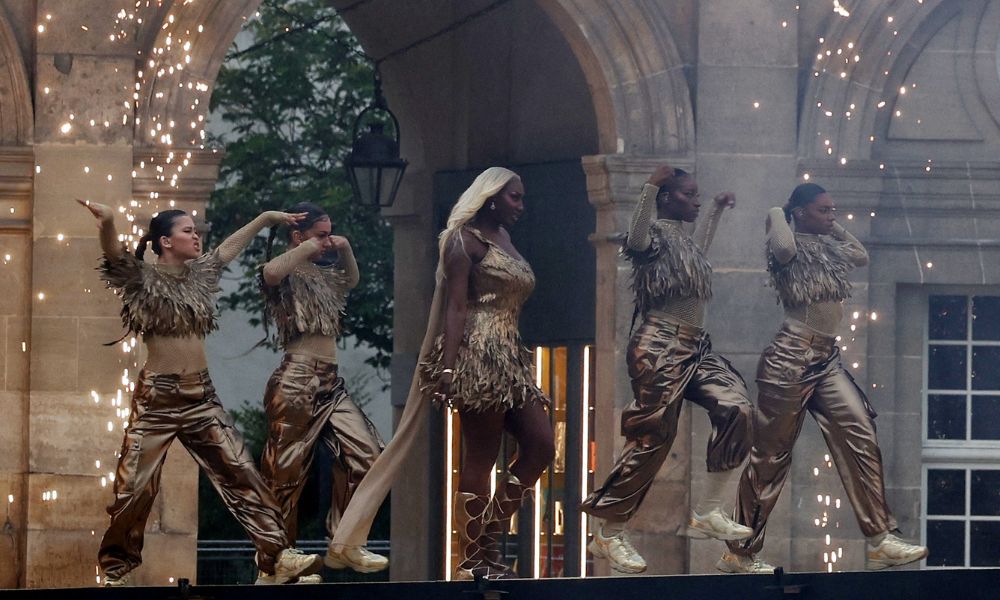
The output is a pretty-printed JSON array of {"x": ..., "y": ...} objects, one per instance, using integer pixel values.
[{"x": 287, "y": 96}]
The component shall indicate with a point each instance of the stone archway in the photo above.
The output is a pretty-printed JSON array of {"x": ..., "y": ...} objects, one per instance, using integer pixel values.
[
  {"x": 635, "y": 86},
  {"x": 848, "y": 110}
]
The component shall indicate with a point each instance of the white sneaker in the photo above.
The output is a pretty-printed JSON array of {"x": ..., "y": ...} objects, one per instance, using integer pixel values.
[
  {"x": 115, "y": 581},
  {"x": 735, "y": 563},
  {"x": 291, "y": 564},
  {"x": 893, "y": 552},
  {"x": 356, "y": 558},
  {"x": 717, "y": 524},
  {"x": 265, "y": 579},
  {"x": 619, "y": 551}
]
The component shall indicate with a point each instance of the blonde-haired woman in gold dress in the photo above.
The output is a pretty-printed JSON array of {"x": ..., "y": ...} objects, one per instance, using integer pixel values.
[{"x": 472, "y": 359}]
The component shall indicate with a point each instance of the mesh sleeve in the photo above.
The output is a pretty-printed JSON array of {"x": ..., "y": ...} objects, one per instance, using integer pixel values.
[
  {"x": 350, "y": 266},
  {"x": 707, "y": 232},
  {"x": 281, "y": 266},
  {"x": 233, "y": 245},
  {"x": 780, "y": 239},
  {"x": 854, "y": 249},
  {"x": 638, "y": 232}
]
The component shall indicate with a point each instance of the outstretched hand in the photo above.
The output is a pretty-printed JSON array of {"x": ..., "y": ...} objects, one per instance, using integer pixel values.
[
  {"x": 276, "y": 217},
  {"x": 101, "y": 212},
  {"x": 725, "y": 200}
]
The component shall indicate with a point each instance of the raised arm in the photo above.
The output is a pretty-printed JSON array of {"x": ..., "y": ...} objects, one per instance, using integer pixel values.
[
  {"x": 110, "y": 244},
  {"x": 279, "y": 267},
  {"x": 347, "y": 261},
  {"x": 780, "y": 238},
  {"x": 233, "y": 245},
  {"x": 638, "y": 239},
  {"x": 706, "y": 233},
  {"x": 855, "y": 249}
]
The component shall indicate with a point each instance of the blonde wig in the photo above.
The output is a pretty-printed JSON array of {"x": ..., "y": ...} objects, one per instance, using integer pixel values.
[{"x": 489, "y": 183}]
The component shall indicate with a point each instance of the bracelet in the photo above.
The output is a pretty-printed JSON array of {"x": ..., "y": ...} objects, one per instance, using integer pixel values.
[{"x": 449, "y": 371}]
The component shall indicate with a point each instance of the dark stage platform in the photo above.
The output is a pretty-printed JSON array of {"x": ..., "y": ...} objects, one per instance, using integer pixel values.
[{"x": 962, "y": 584}]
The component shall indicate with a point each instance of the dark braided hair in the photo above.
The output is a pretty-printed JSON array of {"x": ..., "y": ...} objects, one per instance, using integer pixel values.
[
  {"x": 803, "y": 195},
  {"x": 160, "y": 225},
  {"x": 314, "y": 213},
  {"x": 671, "y": 185}
]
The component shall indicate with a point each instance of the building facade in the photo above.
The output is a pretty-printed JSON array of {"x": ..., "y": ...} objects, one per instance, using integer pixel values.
[{"x": 892, "y": 105}]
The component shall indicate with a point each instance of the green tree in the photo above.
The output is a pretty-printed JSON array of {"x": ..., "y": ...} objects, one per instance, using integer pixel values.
[{"x": 287, "y": 95}]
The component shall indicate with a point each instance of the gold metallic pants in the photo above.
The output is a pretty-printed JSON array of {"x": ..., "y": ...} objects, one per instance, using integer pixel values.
[
  {"x": 164, "y": 407},
  {"x": 668, "y": 362},
  {"x": 801, "y": 372},
  {"x": 305, "y": 400}
]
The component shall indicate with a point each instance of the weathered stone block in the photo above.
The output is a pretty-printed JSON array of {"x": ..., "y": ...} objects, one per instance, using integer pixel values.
[
  {"x": 730, "y": 124},
  {"x": 55, "y": 210},
  {"x": 54, "y": 353},
  {"x": 73, "y": 445},
  {"x": 747, "y": 33},
  {"x": 97, "y": 89}
]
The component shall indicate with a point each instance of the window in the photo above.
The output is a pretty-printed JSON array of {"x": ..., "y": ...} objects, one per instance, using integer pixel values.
[
  {"x": 963, "y": 371},
  {"x": 961, "y": 475},
  {"x": 963, "y": 516}
]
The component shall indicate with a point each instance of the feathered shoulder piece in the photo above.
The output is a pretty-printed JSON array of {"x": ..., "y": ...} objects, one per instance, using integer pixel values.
[
  {"x": 817, "y": 273},
  {"x": 310, "y": 300},
  {"x": 672, "y": 267},
  {"x": 156, "y": 301}
]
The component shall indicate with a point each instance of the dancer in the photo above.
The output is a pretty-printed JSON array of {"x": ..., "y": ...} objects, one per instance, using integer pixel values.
[
  {"x": 670, "y": 358},
  {"x": 305, "y": 399},
  {"x": 801, "y": 371},
  {"x": 472, "y": 359},
  {"x": 171, "y": 305}
]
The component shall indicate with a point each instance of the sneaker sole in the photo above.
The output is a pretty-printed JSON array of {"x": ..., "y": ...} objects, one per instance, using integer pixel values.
[
  {"x": 311, "y": 568},
  {"x": 337, "y": 564},
  {"x": 725, "y": 567},
  {"x": 695, "y": 532},
  {"x": 879, "y": 565},
  {"x": 599, "y": 552},
  {"x": 728, "y": 569}
]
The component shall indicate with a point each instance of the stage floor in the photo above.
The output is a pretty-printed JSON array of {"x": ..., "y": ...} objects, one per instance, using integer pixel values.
[{"x": 962, "y": 584}]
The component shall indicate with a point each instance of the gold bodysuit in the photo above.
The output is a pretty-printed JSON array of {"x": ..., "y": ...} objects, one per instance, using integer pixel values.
[{"x": 493, "y": 368}]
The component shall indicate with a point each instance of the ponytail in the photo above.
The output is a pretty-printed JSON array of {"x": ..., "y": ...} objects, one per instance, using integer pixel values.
[
  {"x": 162, "y": 224},
  {"x": 141, "y": 248}
]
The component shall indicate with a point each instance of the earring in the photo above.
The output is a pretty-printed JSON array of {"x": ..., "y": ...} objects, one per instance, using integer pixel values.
[{"x": 493, "y": 205}]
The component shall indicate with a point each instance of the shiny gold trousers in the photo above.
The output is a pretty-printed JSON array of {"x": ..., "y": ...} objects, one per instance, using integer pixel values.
[
  {"x": 164, "y": 407},
  {"x": 669, "y": 361},
  {"x": 305, "y": 400},
  {"x": 801, "y": 372}
]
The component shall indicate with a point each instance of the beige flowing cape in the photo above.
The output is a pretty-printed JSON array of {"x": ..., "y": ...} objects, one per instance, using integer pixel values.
[{"x": 356, "y": 521}]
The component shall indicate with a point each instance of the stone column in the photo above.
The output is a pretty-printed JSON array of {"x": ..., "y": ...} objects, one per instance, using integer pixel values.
[
  {"x": 16, "y": 172},
  {"x": 417, "y": 514},
  {"x": 79, "y": 388},
  {"x": 746, "y": 124}
]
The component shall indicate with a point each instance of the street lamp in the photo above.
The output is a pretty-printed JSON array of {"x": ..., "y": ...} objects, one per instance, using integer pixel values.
[{"x": 374, "y": 167}]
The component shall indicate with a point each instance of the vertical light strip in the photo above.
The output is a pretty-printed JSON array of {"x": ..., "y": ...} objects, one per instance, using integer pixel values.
[
  {"x": 448, "y": 477},
  {"x": 538, "y": 529},
  {"x": 537, "y": 525},
  {"x": 584, "y": 457}
]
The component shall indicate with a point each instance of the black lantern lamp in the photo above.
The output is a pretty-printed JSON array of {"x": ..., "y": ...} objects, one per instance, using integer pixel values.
[{"x": 374, "y": 167}]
